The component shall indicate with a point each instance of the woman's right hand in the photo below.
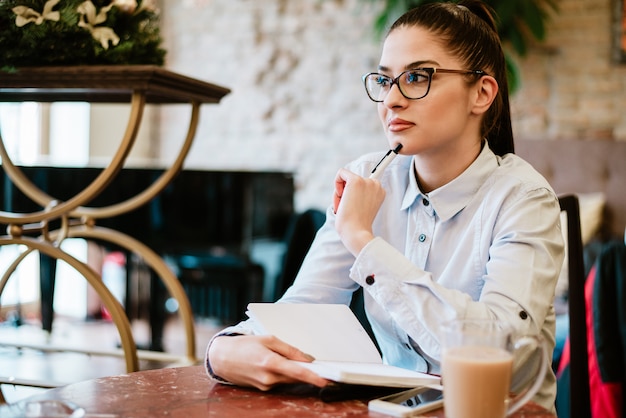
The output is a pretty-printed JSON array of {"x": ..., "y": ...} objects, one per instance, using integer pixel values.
[
  {"x": 357, "y": 201},
  {"x": 261, "y": 361}
]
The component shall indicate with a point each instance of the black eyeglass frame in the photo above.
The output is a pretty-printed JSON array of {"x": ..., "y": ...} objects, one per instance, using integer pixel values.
[{"x": 429, "y": 70}]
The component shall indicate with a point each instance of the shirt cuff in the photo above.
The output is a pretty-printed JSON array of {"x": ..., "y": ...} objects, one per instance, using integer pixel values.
[{"x": 379, "y": 258}]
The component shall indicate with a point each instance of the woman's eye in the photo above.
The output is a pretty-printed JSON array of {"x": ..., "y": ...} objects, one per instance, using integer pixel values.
[
  {"x": 382, "y": 81},
  {"x": 415, "y": 77}
]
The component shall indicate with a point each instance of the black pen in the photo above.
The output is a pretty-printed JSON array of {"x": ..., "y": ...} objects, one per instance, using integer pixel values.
[{"x": 387, "y": 159}]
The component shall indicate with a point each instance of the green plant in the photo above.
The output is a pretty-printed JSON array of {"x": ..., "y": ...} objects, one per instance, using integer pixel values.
[
  {"x": 79, "y": 32},
  {"x": 519, "y": 22}
]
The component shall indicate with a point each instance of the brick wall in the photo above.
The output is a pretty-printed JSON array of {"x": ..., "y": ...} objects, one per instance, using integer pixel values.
[
  {"x": 297, "y": 102},
  {"x": 571, "y": 87}
]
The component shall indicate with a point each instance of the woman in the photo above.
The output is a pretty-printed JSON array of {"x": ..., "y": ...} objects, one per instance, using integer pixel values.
[{"x": 456, "y": 226}]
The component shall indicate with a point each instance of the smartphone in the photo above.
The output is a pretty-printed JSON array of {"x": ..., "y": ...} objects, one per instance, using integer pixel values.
[{"x": 410, "y": 403}]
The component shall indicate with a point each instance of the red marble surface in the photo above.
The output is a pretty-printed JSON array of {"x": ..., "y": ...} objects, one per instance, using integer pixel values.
[{"x": 187, "y": 392}]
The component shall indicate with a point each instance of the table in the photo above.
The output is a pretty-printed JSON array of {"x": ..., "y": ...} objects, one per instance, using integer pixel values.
[
  {"x": 137, "y": 84},
  {"x": 187, "y": 392}
]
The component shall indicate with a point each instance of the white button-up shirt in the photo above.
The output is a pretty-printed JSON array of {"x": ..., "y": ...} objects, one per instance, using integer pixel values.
[{"x": 486, "y": 245}]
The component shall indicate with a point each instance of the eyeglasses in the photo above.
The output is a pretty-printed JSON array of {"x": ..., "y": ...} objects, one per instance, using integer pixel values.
[{"x": 413, "y": 84}]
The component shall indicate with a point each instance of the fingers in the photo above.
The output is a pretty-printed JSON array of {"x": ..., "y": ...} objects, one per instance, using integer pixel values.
[
  {"x": 357, "y": 194},
  {"x": 336, "y": 200},
  {"x": 356, "y": 203},
  {"x": 340, "y": 184},
  {"x": 344, "y": 181},
  {"x": 278, "y": 367},
  {"x": 286, "y": 350},
  {"x": 279, "y": 370}
]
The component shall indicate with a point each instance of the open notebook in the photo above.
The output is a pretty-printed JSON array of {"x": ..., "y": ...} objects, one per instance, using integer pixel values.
[{"x": 332, "y": 334}]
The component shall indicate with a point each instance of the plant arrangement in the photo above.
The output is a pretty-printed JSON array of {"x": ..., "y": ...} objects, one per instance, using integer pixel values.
[
  {"x": 79, "y": 32},
  {"x": 520, "y": 22}
]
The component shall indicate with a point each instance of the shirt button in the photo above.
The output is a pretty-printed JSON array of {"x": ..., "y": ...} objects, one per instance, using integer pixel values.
[
  {"x": 422, "y": 237},
  {"x": 523, "y": 314},
  {"x": 425, "y": 202},
  {"x": 370, "y": 279}
]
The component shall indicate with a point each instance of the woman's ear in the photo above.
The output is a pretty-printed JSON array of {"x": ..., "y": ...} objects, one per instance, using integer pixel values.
[{"x": 486, "y": 90}]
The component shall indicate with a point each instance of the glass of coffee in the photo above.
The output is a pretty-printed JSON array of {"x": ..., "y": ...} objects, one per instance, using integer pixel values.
[{"x": 477, "y": 367}]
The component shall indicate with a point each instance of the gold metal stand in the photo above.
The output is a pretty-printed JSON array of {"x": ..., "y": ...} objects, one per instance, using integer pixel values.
[{"x": 102, "y": 84}]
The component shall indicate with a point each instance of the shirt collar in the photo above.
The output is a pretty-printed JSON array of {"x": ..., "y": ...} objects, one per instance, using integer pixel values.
[{"x": 450, "y": 198}]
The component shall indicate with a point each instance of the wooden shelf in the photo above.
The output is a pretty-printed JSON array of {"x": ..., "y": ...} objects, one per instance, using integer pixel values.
[{"x": 105, "y": 84}]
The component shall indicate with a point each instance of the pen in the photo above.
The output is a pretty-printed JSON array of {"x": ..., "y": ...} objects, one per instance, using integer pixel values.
[{"x": 387, "y": 159}]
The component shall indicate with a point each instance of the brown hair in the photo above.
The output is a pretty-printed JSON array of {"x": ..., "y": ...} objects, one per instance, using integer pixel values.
[{"x": 468, "y": 29}]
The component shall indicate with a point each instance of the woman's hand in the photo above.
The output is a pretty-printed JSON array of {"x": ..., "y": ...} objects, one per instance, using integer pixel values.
[
  {"x": 356, "y": 203},
  {"x": 261, "y": 361}
]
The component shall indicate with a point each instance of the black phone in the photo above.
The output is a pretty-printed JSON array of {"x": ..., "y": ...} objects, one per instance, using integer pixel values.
[{"x": 410, "y": 403}]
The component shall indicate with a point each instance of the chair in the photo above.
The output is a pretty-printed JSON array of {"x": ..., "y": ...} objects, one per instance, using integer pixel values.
[
  {"x": 578, "y": 384},
  {"x": 218, "y": 286},
  {"x": 298, "y": 239}
]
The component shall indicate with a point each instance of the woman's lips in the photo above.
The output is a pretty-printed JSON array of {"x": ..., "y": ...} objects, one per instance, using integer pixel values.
[{"x": 397, "y": 125}]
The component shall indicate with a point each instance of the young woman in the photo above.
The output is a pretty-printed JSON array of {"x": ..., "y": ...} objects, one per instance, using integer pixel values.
[{"x": 456, "y": 227}]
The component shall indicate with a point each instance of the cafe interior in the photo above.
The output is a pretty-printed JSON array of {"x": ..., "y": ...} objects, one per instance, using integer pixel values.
[{"x": 147, "y": 203}]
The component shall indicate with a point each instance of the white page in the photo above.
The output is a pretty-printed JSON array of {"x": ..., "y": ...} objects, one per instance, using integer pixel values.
[
  {"x": 371, "y": 374},
  {"x": 328, "y": 332}
]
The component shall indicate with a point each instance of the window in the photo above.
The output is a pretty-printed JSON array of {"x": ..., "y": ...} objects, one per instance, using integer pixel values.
[{"x": 38, "y": 133}]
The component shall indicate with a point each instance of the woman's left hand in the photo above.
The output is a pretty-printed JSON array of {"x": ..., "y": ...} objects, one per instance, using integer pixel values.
[{"x": 356, "y": 203}]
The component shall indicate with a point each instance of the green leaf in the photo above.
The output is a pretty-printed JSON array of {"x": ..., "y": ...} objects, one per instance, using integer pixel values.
[
  {"x": 504, "y": 9},
  {"x": 513, "y": 75},
  {"x": 516, "y": 39},
  {"x": 533, "y": 18}
]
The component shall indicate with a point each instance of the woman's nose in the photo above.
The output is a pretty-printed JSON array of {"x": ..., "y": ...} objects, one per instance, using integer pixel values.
[{"x": 394, "y": 97}]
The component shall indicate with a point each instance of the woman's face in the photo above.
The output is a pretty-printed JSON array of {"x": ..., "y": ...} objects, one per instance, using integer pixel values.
[{"x": 444, "y": 119}]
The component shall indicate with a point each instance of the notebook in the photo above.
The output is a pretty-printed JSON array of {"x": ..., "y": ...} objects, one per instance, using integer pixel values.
[{"x": 332, "y": 334}]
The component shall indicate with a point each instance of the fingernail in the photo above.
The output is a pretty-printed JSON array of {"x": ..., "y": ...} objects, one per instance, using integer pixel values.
[{"x": 309, "y": 357}]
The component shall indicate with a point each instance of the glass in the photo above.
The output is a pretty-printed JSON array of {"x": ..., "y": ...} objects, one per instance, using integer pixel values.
[
  {"x": 49, "y": 408},
  {"x": 477, "y": 368},
  {"x": 413, "y": 84}
]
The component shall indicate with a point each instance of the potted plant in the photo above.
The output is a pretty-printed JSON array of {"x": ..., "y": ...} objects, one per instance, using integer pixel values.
[{"x": 79, "y": 32}]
